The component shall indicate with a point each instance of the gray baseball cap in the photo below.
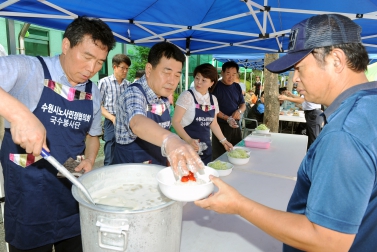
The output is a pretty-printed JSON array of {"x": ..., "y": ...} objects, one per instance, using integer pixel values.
[{"x": 317, "y": 31}]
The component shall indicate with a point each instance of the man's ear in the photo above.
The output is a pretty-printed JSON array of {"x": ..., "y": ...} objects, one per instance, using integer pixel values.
[
  {"x": 339, "y": 59},
  {"x": 65, "y": 45},
  {"x": 148, "y": 69}
]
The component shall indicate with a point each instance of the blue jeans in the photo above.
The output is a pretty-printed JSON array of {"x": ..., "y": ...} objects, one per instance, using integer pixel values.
[{"x": 109, "y": 137}]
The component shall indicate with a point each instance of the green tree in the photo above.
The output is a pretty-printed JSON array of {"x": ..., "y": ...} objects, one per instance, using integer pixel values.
[{"x": 138, "y": 61}]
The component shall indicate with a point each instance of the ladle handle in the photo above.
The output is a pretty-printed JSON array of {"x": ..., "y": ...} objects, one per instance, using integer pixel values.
[{"x": 46, "y": 155}]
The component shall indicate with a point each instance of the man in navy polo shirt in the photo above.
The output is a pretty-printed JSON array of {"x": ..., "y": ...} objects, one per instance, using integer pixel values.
[
  {"x": 231, "y": 106},
  {"x": 334, "y": 204}
]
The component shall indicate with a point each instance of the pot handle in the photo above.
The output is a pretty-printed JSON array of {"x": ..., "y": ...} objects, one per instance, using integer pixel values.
[{"x": 116, "y": 233}]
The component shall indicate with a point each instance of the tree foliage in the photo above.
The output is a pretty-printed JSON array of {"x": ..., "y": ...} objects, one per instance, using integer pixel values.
[{"x": 138, "y": 61}]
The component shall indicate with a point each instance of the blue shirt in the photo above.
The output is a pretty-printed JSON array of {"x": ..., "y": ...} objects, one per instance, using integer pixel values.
[
  {"x": 229, "y": 97},
  {"x": 110, "y": 91},
  {"x": 22, "y": 77},
  {"x": 336, "y": 183},
  {"x": 260, "y": 108},
  {"x": 130, "y": 103}
]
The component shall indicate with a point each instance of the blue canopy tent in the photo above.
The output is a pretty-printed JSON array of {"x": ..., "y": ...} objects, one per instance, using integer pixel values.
[
  {"x": 197, "y": 27},
  {"x": 246, "y": 60},
  {"x": 253, "y": 61}
]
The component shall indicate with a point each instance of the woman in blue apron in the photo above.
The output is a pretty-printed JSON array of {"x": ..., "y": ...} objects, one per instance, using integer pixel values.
[
  {"x": 40, "y": 208},
  {"x": 195, "y": 113},
  {"x": 140, "y": 151}
]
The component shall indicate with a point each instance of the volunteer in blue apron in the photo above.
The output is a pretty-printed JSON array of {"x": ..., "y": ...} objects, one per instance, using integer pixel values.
[
  {"x": 51, "y": 103},
  {"x": 195, "y": 113},
  {"x": 143, "y": 121}
]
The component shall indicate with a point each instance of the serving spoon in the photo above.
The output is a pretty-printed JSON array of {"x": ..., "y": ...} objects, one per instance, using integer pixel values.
[{"x": 46, "y": 155}]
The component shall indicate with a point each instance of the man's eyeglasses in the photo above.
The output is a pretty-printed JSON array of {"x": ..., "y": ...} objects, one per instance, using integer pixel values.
[{"x": 124, "y": 69}]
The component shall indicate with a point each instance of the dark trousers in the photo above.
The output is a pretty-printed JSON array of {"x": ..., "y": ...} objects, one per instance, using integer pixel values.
[
  {"x": 314, "y": 123},
  {"x": 233, "y": 136},
  {"x": 73, "y": 244},
  {"x": 109, "y": 137}
]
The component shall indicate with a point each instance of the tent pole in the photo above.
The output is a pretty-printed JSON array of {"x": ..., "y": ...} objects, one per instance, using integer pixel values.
[
  {"x": 11, "y": 38},
  {"x": 262, "y": 81},
  {"x": 186, "y": 72}
]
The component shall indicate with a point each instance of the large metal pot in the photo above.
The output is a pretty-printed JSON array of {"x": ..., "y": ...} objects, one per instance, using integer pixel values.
[{"x": 118, "y": 229}]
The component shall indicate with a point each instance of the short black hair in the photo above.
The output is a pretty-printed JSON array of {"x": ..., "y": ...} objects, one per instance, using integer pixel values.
[
  {"x": 164, "y": 49},
  {"x": 139, "y": 73},
  {"x": 121, "y": 58},
  {"x": 356, "y": 55},
  {"x": 94, "y": 27},
  {"x": 282, "y": 89},
  {"x": 230, "y": 64}
]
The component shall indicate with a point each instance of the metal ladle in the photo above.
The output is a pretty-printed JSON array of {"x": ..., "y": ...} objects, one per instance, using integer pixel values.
[{"x": 46, "y": 155}]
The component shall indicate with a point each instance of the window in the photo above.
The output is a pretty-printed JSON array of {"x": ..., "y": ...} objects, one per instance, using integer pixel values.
[{"x": 37, "y": 43}]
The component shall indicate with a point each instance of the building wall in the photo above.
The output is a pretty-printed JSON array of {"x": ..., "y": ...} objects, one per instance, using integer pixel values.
[
  {"x": 3, "y": 34},
  {"x": 55, "y": 42}
]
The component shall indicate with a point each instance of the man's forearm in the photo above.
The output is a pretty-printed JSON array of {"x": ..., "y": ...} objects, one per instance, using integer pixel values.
[
  {"x": 107, "y": 114},
  {"x": 91, "y": 148},
  {"x": 294, "y": 229},
  {"x": 295, "y": 99},
  {"x": 242, "y": 107}
]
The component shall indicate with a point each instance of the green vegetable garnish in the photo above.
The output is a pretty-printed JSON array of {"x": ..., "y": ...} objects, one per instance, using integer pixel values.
[
  {"x": 218, "y": 165},
  {"x": 238, "y": 153},
  {"x": 262, "y": 127}
]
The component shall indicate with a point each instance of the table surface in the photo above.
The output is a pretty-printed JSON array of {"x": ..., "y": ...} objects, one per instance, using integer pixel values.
[
  {"x": 268, "y": 178},
  {"x": 292, "y": 118}
]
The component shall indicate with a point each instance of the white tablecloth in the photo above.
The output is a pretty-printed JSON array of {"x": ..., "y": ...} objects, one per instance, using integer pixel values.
[
  {"x": 292, "y": 118},
  {"x": 268, "y": 178}
]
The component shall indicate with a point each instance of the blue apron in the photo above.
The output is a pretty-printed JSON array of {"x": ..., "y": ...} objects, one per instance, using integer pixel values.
[
  {"x": 39, "y": 206},
  {"x": 200, "y": 126},
  {"x": 140, "y": 151}
]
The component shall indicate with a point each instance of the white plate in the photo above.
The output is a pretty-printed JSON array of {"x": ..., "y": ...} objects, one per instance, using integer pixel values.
[{"x": 185, "y": 192}]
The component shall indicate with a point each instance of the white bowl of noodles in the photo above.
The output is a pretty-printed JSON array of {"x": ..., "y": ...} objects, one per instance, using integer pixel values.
[
  {"x": 238, "y": 156},
  {"x": 262, "y": 129},
  {"x": 223, "y": 168}
]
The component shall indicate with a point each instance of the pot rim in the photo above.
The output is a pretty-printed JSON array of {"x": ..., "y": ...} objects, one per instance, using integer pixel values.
[{"x": 80, "y": 198}]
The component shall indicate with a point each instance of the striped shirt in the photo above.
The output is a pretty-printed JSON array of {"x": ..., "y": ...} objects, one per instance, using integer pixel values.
[
  {"x": 130, "y": 103},
  {"x": 110, "y": 91}
]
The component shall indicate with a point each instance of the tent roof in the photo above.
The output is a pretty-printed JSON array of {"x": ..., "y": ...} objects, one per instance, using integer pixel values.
[
  {"x": 256, "y": 60},
  {"x": 197, "y": 27},
  {"x": 246, "y": 60}
]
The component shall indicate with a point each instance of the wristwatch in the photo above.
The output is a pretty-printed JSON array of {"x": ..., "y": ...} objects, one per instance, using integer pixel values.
[{"x": 240, "y": 111}]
